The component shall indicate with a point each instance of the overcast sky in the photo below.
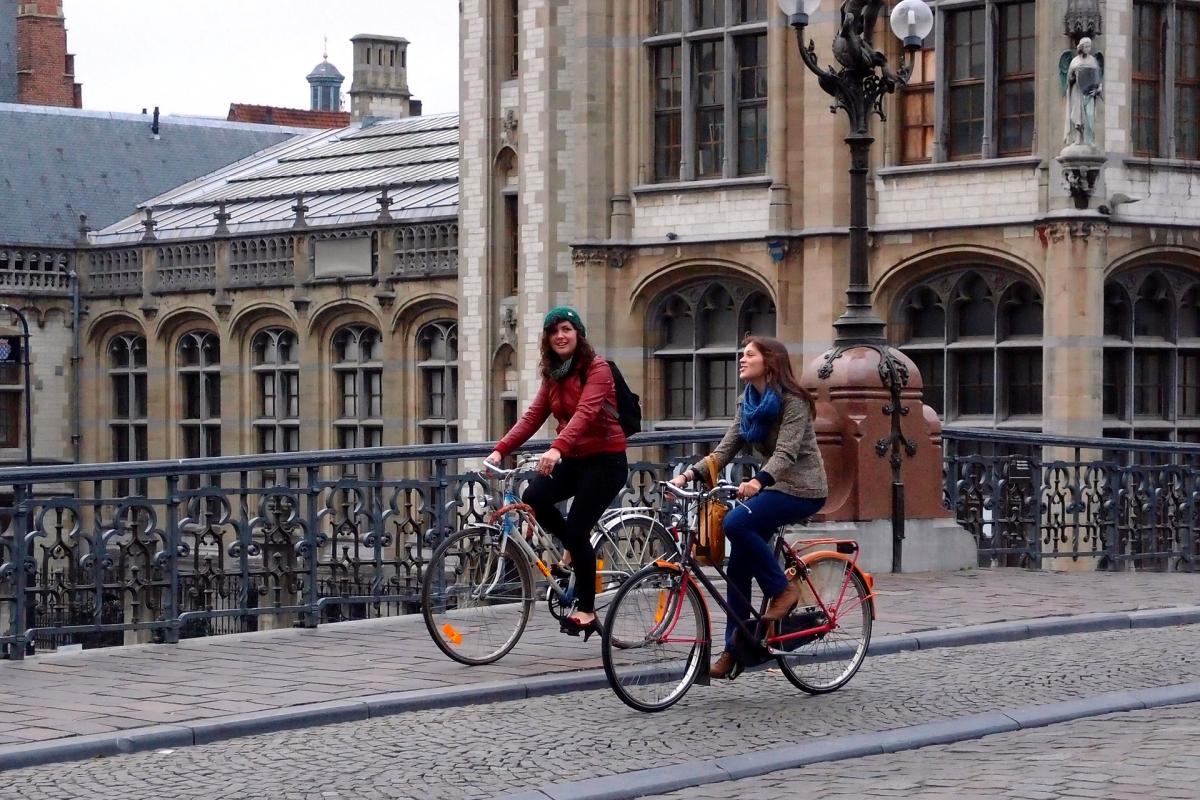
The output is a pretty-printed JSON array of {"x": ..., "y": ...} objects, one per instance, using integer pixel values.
[{"x": 190, "y": 57}]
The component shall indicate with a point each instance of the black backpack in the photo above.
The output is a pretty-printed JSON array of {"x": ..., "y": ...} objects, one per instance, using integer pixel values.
[{"x": 629, "y": 406}]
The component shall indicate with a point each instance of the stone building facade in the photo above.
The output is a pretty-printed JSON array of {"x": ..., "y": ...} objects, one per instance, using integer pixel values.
[{"x": 671, "y": 167}]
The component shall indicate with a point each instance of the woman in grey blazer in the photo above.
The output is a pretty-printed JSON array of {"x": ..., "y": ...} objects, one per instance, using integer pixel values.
[{"x": 775, "y": 417}]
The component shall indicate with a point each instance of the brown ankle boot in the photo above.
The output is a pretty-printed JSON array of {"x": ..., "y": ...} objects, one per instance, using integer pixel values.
[
  {"x": 782, "y": 603},
  {"x": 726, "y": 666}
]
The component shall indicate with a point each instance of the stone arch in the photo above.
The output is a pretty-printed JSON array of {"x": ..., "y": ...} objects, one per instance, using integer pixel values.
[
  {"x": 242, "y": 324},
  {"x": 905, "y": 273},
  {"x": 171, "y": 324},
  {"x": 413, "y": 309},
  {"x": 325, "y": 319},
  {"x": 679, "y": 273}
]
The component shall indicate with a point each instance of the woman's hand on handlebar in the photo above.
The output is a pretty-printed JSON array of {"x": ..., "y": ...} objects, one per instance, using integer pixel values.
[
  {"x": 548, "y": 460},
  {"x": 494, "y": 458},
  {"x": 682, "y": 479}
]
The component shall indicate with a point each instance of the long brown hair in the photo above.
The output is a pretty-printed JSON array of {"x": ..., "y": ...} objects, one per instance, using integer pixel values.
[
  {"x": 777, "y": 363},
  {"x": 583, "y": 354}
]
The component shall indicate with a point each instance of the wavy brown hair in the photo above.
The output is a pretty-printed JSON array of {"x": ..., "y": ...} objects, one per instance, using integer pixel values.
[
  {"x": 583, "y": 354},
  {"x": 778, "y": 365}
]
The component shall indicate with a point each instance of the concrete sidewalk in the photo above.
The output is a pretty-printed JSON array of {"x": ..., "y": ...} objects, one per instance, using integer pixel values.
[{"x": 57, "y": 696}]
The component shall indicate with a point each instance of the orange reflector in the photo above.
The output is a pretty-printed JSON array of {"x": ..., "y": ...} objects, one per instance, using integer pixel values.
[
  {"x": 599, "y": 580},
  {"x": 662, "y": 607},
  {"x": 451, "y": 634},
  {"x": 542, "y": 568}
]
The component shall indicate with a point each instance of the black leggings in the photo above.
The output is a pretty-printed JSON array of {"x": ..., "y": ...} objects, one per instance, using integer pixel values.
[{"x": 594, "y": 481}]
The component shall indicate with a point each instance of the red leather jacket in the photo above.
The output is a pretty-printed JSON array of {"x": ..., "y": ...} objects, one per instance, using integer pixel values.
[{"x": 585, "y": 411}]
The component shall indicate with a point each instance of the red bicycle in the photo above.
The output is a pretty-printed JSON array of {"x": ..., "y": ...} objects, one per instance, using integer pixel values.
[{"x": 658, "y": 634}]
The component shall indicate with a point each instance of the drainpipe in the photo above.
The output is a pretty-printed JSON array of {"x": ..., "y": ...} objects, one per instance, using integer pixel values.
[{"x": 76, "y": 360}]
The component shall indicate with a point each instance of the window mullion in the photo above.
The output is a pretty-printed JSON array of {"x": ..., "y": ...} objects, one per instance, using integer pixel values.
[
  {"x": 940, "y": 68},
  {"x": 729, "y": 163},
  {"x": 687, "y": 111},
  {"x": 991, "y": 71},
  {"x": 1166, "y": 134}
]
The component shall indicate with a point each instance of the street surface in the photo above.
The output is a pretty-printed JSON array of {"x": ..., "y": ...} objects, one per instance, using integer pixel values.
[
  {"x": 54, "y": 696},
  {"x": 483, "y": 751},
  {"x": 1142, "y": 755}
]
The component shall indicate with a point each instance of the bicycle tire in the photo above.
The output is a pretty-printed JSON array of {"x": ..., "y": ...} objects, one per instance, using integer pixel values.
[
  {"x": 628, "y": 544},
  {"x": 482, "y": 605},
  {"x": 828, "y": 661},
  {"x": 645, "y": 668},
  {"x": 624, "y": 546}
]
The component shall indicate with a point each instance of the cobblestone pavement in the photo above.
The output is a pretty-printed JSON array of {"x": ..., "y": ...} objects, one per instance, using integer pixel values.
[
  {"x": 481, "y": 751},
  {"x": 99, "y": 691},
  {"x": 1141, "y": 755}
]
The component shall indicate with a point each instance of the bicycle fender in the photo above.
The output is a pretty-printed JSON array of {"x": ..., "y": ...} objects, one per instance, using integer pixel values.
[{"x": 867, "y": 579}]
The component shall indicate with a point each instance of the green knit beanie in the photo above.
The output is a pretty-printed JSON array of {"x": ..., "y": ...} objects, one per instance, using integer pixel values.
[{"x": 564, "y": 313}]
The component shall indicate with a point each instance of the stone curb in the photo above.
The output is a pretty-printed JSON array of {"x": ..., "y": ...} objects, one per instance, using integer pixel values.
[
  {"x": 217, "y": 729},
  {"x": 976, "y": 726}
]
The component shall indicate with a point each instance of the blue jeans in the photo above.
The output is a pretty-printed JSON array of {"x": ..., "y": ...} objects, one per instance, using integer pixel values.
[{"x": 749, "y": 529}]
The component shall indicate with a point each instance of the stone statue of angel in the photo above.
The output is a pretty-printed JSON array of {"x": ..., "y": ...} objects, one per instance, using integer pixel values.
[{"x": 1082, "y": 73}]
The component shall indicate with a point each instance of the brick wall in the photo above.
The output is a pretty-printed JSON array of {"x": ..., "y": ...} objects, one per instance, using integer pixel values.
[{"x": 45, "y": 72}]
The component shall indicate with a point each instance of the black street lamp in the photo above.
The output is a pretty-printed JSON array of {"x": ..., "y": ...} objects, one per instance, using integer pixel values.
[
  {"x": 16, "y": 312},
  {"x": 858, "y": 85}
]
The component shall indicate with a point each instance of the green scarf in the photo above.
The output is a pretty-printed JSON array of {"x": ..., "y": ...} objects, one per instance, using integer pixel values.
[{"x": 562, "y": 370}]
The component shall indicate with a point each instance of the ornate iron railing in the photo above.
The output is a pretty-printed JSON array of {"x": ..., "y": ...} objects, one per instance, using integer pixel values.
[
  {"x": 1031, "y": 497},
  {"x": 232, "y": 544},
  {"x": 227, "y": 544}
]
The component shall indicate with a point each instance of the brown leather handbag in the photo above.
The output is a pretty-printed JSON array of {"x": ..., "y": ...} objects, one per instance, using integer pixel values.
[{"x": 710, "y": 544}]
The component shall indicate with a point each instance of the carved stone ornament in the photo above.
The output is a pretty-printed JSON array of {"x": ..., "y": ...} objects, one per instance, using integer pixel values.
[
  {"x": 601, "y": 256},
  {"x": 508, "y": 126},
  {"x": 1083, "y": 18}
]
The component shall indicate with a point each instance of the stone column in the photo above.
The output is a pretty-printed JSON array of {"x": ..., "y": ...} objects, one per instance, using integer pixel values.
[{"x": 779, "y": 45}]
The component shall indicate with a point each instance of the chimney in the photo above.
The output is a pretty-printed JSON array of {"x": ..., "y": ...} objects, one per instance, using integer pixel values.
[
  {"x": 45, "y": 71},
  {"x": 380, "y": 86}
]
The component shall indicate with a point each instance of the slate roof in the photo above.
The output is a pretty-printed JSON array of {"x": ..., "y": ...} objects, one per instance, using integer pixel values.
[
  {"x": 340, "y": 175},
  {"x": 8, "y": 51},
  {"x": 326, "y": 70},
  {"x": 58, "y": 163}
]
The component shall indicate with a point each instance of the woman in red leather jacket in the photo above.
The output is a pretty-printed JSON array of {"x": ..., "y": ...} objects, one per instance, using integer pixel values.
[{"x": 587, "y": 458}]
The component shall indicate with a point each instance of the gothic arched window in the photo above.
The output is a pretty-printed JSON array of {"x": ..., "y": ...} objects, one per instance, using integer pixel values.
[
  {"x": 199, "y": 371},
  {"x": 965, "y": 327},
  {"x": 698, "y": 333},
  {"x": 358, "y": 387},
  {"x": 127, "y": 424},
  {"x": 437, "y": 354},
  {"x": 276, "y": 390},
  {"x": 1152, "y": 355}
]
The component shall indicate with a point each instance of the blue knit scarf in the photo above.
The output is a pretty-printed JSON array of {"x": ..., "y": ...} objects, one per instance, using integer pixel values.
[{"x": 759, "y": 412}]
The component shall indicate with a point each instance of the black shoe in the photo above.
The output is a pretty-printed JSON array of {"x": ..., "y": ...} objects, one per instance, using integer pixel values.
[{"x": 573, "y": 627}]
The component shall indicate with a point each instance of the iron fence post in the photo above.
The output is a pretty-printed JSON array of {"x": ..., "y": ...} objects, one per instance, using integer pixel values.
[
  {"x": 312, "y": 614},
  {"x": 171, "y": 636},
  {"x": 20, "y": 583},
  {"x": 440, "y": 485}
]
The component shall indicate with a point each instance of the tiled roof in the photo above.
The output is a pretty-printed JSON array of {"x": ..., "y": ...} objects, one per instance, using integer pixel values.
[
  {"x": 294, "y": 117},
  {"x": 340, "y": 174},
  {"x": 58, "y": 163}
]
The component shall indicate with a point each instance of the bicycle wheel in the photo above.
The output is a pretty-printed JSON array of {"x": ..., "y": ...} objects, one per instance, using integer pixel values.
[
  {"x": 825, "y": 662},
  {"x": 476, "y": 600},
  {"x": 656, "y": 639},
  {"x": 626, "y": 545}
]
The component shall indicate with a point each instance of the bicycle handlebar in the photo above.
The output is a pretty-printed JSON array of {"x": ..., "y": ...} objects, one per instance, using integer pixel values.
[{"x": 722, "y": 491}]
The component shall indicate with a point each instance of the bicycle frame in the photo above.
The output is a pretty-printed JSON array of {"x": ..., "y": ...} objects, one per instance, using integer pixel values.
[
  {"x": 796, "y": 565},
  {"x": 501, "y": 521}
]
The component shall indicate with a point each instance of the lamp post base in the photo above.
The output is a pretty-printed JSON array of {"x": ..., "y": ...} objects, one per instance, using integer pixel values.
[{"x": 870, "y": 424}]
